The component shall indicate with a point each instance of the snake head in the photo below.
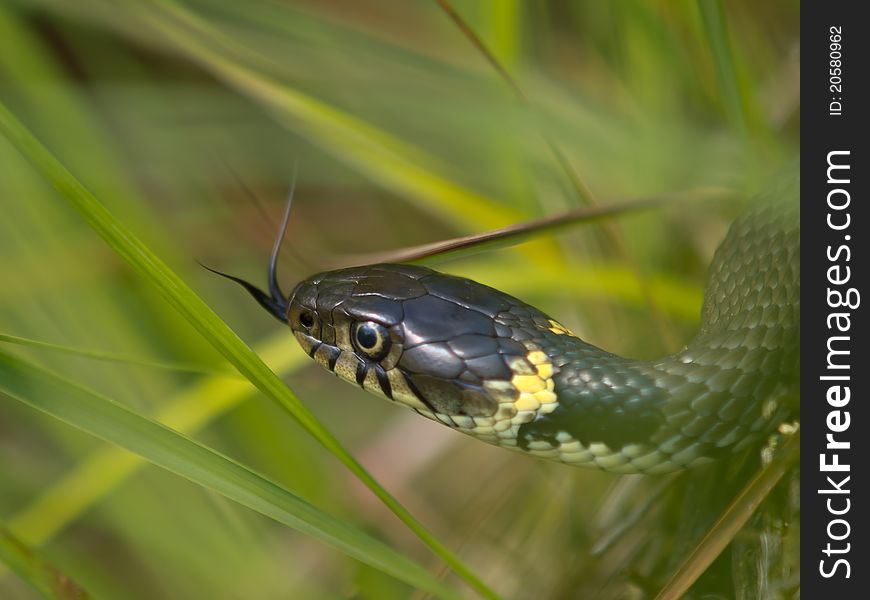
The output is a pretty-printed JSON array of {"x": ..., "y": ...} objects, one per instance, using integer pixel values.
[
  {"x": 450, "y": 348},
  {"x": 442, "y": 345}
]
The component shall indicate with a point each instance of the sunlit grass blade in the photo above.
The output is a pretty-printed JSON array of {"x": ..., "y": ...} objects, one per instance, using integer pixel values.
[
  {"x": 106, "y": 357},
  {"x": 33, "y": 569},
  {"x": 207, "y": 323},
  {"x": 391, "y": 162},
  {"x": 170, "y": 450}
]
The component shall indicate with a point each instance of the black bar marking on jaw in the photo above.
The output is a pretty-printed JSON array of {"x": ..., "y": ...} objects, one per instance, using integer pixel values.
[
  {"x": 333, "y": 357},
  {"x": 314, "y": 349},
  {"x": 384, "y": 381},
  {"x": 361, "y": 371}
]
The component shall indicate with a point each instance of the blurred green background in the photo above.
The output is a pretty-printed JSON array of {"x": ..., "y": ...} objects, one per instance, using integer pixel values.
[{"x": 185, "y": 119}]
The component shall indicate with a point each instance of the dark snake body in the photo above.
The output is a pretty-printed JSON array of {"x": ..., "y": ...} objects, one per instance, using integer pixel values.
[{"x": 489, "y": 365}]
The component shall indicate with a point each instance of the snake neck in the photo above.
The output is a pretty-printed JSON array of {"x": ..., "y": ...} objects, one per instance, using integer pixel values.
[{"x": 730, "y": 385}]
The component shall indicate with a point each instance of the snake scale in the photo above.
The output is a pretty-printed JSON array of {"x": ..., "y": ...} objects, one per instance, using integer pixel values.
[{"x": 487, "y": 364}]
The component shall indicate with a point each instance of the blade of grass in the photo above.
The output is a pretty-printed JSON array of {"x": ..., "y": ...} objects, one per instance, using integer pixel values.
[
  {"x": 520, "y": 232},
  {"x": 116, "y": 424},
  {"x": 732, "y": 519},
  {"x": 389, "y": 161},
  {"x": 103, "y": 356},
  {"x": 713, "y": 19},
  {"x": 97, "y": 475},
  {"x": 582, "y": 191},
  {"x": 505, "y": 26},
  {"x": 188, "y": 412},
  {"x": 208, "y": 324},
  {"x": 30, "y": 567},
  {"x": 681, "y": 299}
]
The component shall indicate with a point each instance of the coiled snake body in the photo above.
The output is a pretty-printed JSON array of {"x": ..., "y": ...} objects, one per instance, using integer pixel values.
[{"x": 489, "y": 365}]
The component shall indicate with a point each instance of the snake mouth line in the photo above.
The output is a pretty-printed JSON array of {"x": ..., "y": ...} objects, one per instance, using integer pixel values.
[{"x": 422, "y": 398}]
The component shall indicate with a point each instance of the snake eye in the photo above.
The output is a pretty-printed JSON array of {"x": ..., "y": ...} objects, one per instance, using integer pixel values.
[
  {"x": 306, "y": 319},
  {"x": 372, "y": 339}
]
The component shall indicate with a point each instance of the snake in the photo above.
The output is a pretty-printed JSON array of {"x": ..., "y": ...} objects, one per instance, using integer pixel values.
[{"x": 487, "y": 364}]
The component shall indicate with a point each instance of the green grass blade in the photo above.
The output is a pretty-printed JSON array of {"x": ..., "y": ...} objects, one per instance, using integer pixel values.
[
  {"x": 389, "y": 161},
  {"x": 96, "y": 476},
  {"x": 104, "y": 356},
  {"x": 207, "y": 323},
  {"x": 30, "y": 567},
  {"x": 166, "y": 448},
  {"x": 505, "y": 26},
  {"x": 716, "y": 29}
]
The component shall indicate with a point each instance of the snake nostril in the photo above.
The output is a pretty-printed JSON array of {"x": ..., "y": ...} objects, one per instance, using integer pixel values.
[{"x": 306, "y": 319}]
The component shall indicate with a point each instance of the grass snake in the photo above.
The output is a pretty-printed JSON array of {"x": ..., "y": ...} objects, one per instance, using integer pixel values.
[{"x": 489, "y": 365}]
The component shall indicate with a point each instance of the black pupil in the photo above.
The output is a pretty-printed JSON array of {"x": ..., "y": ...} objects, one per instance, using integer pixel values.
[
  {"x": 367, "y": 336},
  {"x": 306, "y": 319}
]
